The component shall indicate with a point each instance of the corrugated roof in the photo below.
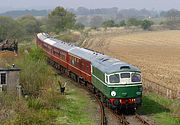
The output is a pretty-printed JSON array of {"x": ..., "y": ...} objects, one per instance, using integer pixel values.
[{"x": 10, "y": 69}]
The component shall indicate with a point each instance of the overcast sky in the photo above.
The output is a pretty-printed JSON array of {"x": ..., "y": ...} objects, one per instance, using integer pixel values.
[{"x": 122, "y": 4}]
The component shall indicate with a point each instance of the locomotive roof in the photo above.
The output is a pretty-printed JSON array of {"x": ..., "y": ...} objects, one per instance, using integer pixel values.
[{"x": 109, "y": 65}]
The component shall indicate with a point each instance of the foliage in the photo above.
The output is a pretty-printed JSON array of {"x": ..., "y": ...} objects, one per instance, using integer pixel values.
[
  {"x": 134, "y": 22},
  {"x": 35, "y": 71},
  {"x": 20, "y": 13},
  {"x": 30, "y": 24},
  {"x": 171, "y": 14},
  {"x": 9, "y": 28},
  {"x": 60, "y": 20},
  {"x": 21, "y": 29},
  {"x": 122, "y": 23},
  {"x": 109, "y": 23},
  {"x": 146, "y": 24},
  {"x": 172, "y": 24}
]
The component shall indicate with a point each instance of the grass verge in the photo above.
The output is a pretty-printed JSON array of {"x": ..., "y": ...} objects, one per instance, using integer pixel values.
[
  {"x": 44, "y": 104},
  {"x": 163, "y": 111}
]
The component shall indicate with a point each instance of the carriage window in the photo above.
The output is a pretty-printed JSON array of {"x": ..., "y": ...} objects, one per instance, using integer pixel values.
[
  {"x": 56, "y": 52},
  {"x": 62, "y": 55},
  {"x": 3, "y": 78},
  {"x": 72, "y": 60},
  {"x": 125, "y": 75},
  {"x": 114, "y": 78},
  {"x": 135, "y": 77}
]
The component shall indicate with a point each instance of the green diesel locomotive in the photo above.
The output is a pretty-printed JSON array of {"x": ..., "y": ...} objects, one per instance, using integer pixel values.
[{"x": 118, "y": 83}]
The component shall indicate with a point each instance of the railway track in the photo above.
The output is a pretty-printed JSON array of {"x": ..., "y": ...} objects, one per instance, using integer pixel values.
[
  {"x": 103, "y": 116},
  {"x": 145, "y": 122},
  {"x": 135, "y": 119},
  {"x": 125, "y": 119}
]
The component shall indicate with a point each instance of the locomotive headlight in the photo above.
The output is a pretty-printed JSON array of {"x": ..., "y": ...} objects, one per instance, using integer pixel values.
[{"x": 113, "y": 93}]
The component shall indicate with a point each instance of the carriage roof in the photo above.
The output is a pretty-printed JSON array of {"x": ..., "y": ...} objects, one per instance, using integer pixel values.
[
  {"x": 82, "y": 53},
  {"x": 55, "y": 42}
]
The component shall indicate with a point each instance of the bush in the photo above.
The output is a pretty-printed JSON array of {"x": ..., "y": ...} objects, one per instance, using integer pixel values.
[
  {"x": 134, "y": 22},
  {"x": 35, "y": 71},
  {"x": 146, "y": 24},
  {"x": 109, "y": 23}
]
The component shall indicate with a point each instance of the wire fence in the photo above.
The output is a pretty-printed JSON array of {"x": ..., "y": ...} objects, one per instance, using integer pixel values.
[{"x": 160, "y": 89}]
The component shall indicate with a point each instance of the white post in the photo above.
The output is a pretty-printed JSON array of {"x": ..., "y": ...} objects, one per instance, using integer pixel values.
[
  {"x": 1, "y": 88},
  {"x": 19, "y": 91},
  {"x": 167, "y": 93},
  {"x": 170, "y": 92}
]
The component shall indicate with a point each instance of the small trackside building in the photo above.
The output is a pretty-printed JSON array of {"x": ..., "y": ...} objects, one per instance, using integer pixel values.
[{"x": 9, "y": 79}]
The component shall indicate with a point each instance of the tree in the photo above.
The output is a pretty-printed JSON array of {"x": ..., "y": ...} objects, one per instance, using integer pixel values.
[
  {"x": 172, "y": 14},
  {"x": 146, "y": 24},
  {"x": 9, "y": 29},
  {"x": 108, "y": 23},
  {"x": 30, "y": 24},
  {"x": 60, "y": 20}
]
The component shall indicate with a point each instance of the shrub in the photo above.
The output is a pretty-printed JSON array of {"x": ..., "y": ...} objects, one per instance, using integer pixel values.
[
  {"x": 108, "y": 23},
  {"x": 35, "y": 72},
  {"x": 146, "y": 24}
]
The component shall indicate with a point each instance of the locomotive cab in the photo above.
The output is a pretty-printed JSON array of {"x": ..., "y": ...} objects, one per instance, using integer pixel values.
[
  {"x": 119, "y": 82},
  {"x": 127, "y": 90}
]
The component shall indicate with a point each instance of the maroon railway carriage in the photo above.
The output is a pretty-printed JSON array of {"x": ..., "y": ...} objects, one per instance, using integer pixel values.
[
  {"x": 80, "y": 63},
  {"x": 56, "y": 50},
  {"x": 70, "y": 57}
]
